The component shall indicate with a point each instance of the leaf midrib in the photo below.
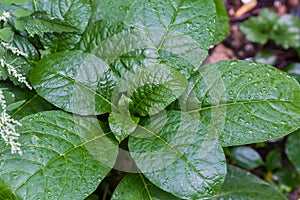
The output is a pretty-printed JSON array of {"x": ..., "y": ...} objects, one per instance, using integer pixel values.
[
  {"x": 170, "y": 24},
  {"x": 59, "y": 156},
  {"x": 182, "y": 156}
]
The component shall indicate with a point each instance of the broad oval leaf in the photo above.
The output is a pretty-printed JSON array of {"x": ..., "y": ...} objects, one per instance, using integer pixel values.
[
  {"x": 195, "y": 19},
  {"x": 246, "y": 101},
  {"x": 240, "y": 184},
  {"x": 292, "y": 149},
  {"x": 75, "y": 13},
  {"x": 64, "y": 157},
  {"x": 246, "y": 157},
  {"x": 174, "y": 155},
  {"x": 69, "y": 80},
  {"x": 153, "y": 88},
  {"x": 136, "y": 186},
  {"x": 184, "y": 29}
]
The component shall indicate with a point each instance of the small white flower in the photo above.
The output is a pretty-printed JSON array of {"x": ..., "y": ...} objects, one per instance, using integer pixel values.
[
  {"x": 12, "y": 71},
  {"x": 15, "y": 50},
  {"x": 5, "y": 16},
  {"x": 7, "y": 128}
]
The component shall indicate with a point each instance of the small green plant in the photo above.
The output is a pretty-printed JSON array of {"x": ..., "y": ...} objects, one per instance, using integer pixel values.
[
  {"x": 109, "y": 74},
  {"x": 284, "y": 30}
]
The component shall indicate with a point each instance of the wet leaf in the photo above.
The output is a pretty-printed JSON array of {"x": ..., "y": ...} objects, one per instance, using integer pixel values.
[
  {"x": 140, "y": 188},
  {"x": 175, "y": 155},
  {"x": 246, "y": 157},
  {"x": 240, "y": 184},
  {"x": 244, "y": 102},
  {"x": 64, "y": 157},
  {"x": 292, "y": 149}
]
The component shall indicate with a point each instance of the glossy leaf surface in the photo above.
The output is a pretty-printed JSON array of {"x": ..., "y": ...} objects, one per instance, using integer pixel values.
[
  {"x": 174, "y": 155},
  {"x": 222, "y": 22},
  {"x": 64, "y": 157},
  {"x": 245, "y": 102},
  {"x": 140, "y": 188},
  {"x": 69, "y": 80},
  {"x": 246, "y": 157},
  {"x": 240, "y": 184},
  {"x": 292, "y": 149}
]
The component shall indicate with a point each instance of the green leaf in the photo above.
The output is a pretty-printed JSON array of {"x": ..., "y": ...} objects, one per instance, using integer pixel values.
[
  {"x": 176, "y": 62},
  {"x": 69, "y": 80},
  {"x": 185, "y": 29},
  {"x": 16, "y": 2},
  {"x": 152, "y": 89},
  {"x": 136, "y": 186},
  {"x": 21, "y": 13},
  {"x": 15, "y": 105},
  {"x": 258, "y": 29},
  {"x": 222, "y": 22},
  {"x": 273, "y": 160},
  {"x": 120, "y": 121},
  {"x": 5, "y": 192},
  {"x": 98, "y": 32},
  {"x": 27, "y": 47},
  {"x": 64, "y": 157},
  {"x": 288, "y": 176},
  {"x": 39, "y": 23},
  {"x": 292, "y": 149},
  {"x": 110, "y": 9},
  {"x": 125, "y": 48},
  {"x": 246, "y": 157},
  {"x": 174, "y": 20},
  {"x": 74, "y": 12},
  {"x": 245, "y": 102},
  {"x": 286, "y": 31},
  {"x": 6, "y": 34},
  {"x": 55, "y": 42},
  {"x": 33, "y": 102},
  {"x": 240, "y": 184},
  {"x": 122, "y": 125},
  {"x": 294, "y": 70},
  {"x": 265, "y": 57},
  {"x": 174, "y": 154},
  {"x": 23, "y": 65}
]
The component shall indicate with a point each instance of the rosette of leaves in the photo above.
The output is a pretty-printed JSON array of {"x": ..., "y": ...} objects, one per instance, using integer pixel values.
[
  {"x": 283, "y": 30},
  {"x": 137, "y": 64}
]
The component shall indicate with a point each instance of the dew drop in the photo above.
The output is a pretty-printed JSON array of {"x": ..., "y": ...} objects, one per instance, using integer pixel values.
[{"x": 233, "y": 62}]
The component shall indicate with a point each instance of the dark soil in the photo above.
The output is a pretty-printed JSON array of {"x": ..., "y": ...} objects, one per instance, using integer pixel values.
[{"x": 235, "y": 46}]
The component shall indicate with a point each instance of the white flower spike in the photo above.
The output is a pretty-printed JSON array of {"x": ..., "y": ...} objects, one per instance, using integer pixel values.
[{"x": 7, "y": 128}]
